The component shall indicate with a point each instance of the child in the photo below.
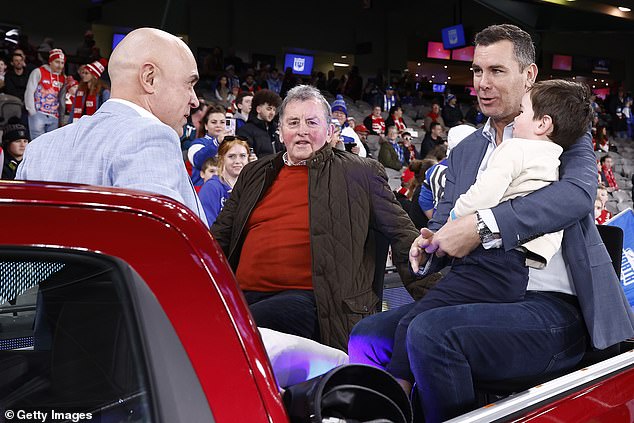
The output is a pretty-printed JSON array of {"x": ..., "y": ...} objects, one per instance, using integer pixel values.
[
  {"x": 554, "y": 114},
  {"x": 208, "y": 169}
]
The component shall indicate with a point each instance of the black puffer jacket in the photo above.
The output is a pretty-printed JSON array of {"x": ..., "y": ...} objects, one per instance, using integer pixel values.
[
  {"x": 261, "y": 137},
  {"x": 348, "y": 196}
]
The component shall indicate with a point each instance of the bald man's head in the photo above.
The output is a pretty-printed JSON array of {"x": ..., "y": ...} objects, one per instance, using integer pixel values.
[{"x": 157, "y": 71}]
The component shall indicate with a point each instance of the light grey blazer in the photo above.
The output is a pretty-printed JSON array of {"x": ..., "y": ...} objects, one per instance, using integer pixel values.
[{"x": 114, "y": 147}]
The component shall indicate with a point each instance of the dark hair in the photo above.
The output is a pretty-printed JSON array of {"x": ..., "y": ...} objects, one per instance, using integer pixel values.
[
  {"x": 405, "y": 133},
  {"x": 523, "y": 48},
  {"x": 604, "y": 158},
  {"x": 213, "y": 108},
  {"x": 394, "y": 109},
  {"x": 266, "y": 96},
  {"x": 242, "y": 95},
  {"x": 433, "y": 125},
  {"x": 439, "y": 152},
  {"x": 568, "y": 105}
]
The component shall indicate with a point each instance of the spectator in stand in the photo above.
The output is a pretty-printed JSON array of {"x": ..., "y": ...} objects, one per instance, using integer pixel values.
[
  {"x": 340, "y": 112},
  {"x": 395, "y": 118},
  {"x": 620, "y": 123},
  {"x": 260, "y": 129},
  {"x": 432, "y": 138},
  {"x": 222, "y": 91},
  {"x": 434, "y": 115},
  {"x": 352, "y": 122},
  {"x": 249, "y": 84},
  {"x": 629, "y": 118},
  {"x": 208, "y": 169},
  {"x": 3, "y": 71},
  {"x": 44, "y": 95},
  {"x": 389, "y": 99},
  {"x": 433, "y": 186},
  {"x": 132, "y": 141},
  {"x": 475, "y": 116},
  {"x": 288, "y": 82},
  {"x": 362, "y": 133},
  {"x": 354, "y": 84},
  {"x": 92, "y": 91},
  {"x": 374, "y": 122},
  {"x": 600, "y": 139},
  {"x": 607, "y": 175},
  {"x": 274, "y": 81},
  {"x": 233, "y": 155},
  {"x": 243, "y": 108},
  {"x": 300, "y": 248},
  {"x": 14, "y": 141},
  {"x": 451, "y": 114},
  {"x": 415, "y": 212},
  {"x": 409, "y": 149},
  {"x": 601, "y": 214},
  {"x": 190, "y": 129},
  {"x": 213, "y": 126},
  {"x": 16, "y": 79},
  {"x": 391, "y": 154},
  {"x": 69, "y": 98}
]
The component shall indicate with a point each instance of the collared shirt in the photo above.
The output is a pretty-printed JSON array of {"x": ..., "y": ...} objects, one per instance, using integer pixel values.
[
  {"x": 399, "y": 151},
  {"x": 140, "y": 110},
  {"x": 556, "y": 275},
  {"x": 288, "y": 161}
]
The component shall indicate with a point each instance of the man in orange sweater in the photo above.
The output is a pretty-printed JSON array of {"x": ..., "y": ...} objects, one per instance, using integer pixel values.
[{"x": 299, "y": 229}]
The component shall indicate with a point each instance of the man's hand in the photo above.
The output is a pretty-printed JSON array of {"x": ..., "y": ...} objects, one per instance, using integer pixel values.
[
  {"x": 456, "y": 238},
  {"x": 356, "y": 150},
  {"x": 416, "y": 252}
]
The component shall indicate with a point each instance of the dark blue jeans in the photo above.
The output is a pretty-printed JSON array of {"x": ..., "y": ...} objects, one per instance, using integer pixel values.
[
  {"x": 450, "y": 346},
  {"x": 293, "y": 311},
  {"x": 484, "y": 276}
]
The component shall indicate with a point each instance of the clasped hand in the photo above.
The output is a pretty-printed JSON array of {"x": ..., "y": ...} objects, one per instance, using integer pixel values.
[{"x": 457, "y": 238}]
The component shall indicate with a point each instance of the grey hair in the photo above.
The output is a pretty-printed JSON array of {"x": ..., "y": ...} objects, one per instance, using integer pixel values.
[
  {"x": 523, "y": 48},
  {"x": 306, "y": 93}
]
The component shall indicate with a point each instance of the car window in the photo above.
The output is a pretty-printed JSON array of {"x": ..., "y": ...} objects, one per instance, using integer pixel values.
[{"x": 67, "y": 340}]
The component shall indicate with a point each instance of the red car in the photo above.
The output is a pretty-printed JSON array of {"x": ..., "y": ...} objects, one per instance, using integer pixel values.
[{"x": 119, "y": 304}]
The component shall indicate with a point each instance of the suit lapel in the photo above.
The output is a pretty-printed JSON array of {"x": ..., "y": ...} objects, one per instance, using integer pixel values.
[{"x": 470, "y": 171}]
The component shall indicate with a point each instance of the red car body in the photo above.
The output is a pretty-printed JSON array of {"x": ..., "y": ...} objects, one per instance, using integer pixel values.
[{"x": 174, "y": 253}]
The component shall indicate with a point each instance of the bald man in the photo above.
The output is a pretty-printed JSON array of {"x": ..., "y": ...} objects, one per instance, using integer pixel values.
[{"x": 132, "y": 141}]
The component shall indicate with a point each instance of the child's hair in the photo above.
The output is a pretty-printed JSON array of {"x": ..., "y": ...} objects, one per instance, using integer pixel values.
[
  {"x": 567, "y": 103},
  {"x": 210, "y": 162}
]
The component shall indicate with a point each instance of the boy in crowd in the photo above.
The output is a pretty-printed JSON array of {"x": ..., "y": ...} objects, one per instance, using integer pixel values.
[{"x": 554, "y": 114}]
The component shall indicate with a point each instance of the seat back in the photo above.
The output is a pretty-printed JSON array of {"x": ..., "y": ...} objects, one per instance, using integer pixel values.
[{"x": 612, "y": 237}]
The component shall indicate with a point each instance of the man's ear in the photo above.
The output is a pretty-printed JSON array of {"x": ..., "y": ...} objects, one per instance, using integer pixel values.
[
  {"x": 545, "y": 126},
  {"x": 531, "y": 74},
  {"x": 147, "y": 77}
]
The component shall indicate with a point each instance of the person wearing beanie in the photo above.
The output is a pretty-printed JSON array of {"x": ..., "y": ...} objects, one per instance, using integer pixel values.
[
  {"x": 45, "y": 92},
  {"x": 14, "y": 140},
  {"x": 348, "y": 136},
  {"x": 92, "y": 91},
  {"x": 451, "y": 114}
]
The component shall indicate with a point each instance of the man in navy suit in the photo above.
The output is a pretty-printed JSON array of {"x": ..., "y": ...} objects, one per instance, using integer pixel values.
[{"x": 574, "y": 303}]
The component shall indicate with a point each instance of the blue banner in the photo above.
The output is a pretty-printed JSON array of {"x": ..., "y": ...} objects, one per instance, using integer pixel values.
[{"x": 625, "y": 221}]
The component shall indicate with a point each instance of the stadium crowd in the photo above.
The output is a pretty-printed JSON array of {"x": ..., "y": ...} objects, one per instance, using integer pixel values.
[{"x": 314, "y": 165}]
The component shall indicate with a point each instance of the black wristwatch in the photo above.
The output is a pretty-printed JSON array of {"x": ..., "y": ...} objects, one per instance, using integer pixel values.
[{"x": 485, "y": 234}]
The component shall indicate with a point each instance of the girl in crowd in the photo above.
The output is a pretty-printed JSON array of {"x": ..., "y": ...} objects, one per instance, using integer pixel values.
[
  {"x": 223, "y": 93},
  {"x": 3, "y": 71},
  {"x": 92, "y": 91},
  {"x": 395, "y": 118},
  {"x": 212, "y": 125},
  {"x": 233, "y": 155},
  {"x": 601, "y": 214}
]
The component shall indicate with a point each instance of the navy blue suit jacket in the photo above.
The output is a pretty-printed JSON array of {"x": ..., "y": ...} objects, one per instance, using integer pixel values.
[{"x": 568, "y": 205}]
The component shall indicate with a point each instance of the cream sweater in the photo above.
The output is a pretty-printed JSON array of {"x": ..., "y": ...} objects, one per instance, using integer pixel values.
[{"x": 517, "y": 167}]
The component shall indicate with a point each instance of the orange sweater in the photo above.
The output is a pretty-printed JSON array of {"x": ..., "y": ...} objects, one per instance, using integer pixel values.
[{"x": 276, "y": 251}]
